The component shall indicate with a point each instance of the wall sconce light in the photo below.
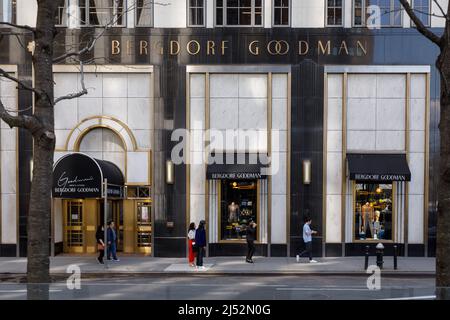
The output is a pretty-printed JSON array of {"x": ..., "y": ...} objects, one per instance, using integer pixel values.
[
  {"x": 169, "y": 172},
  {"x": 306, "y": 171}
]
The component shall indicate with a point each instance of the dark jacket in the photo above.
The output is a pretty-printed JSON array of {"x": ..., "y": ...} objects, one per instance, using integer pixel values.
[
  {"x": 99, "y": 235},
  {"x": 251, "y": 233},
  {"x": 200, "y": 237},
  {"x": 111, "y": 236}
]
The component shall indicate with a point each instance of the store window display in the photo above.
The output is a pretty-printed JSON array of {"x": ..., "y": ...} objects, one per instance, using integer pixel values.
[
  {"x": 373, "y": 211},
  {"x": 238, "y": 207}
]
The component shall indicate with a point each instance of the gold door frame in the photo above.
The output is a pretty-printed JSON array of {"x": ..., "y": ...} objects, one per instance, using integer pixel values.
[
  {"x": 149, "y": 249},
  {"x": 66, "y": 247}
]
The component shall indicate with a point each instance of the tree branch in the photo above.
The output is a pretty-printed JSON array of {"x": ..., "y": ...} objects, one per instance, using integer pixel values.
[
  {"x": 22, "y": 85},
  {"x": 77, "y": 94},
  {"x": 24, "y": 27},
  {"x": 419, "y": 25},
  {"x": 445, "y": 14},
  {"x": 23, "y": 121}
]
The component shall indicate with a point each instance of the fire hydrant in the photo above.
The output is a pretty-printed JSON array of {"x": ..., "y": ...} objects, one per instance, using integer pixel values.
[{"x": 379, "y": 250}]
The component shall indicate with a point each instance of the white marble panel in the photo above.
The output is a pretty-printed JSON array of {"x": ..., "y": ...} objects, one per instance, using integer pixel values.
[
  {"x": 9, "y": 170},
  {"x": 391, "y": 85},
  {"x": 66, "y": 114},
  {"x": 89, "y": 107},
  {"x": 417, "y": 114},
  {"x": 335, "y": 85},
  {"x": 361, "y": 140},
  {"x": 197, "y": 158},
  {"x": 139, "y": 115},
  {"x": 58, "y": 219},
  {"x": 278, "y": 221},
  {"x": 252, "y": 85},
  {"x": 7, "y": 88},
  {"x": 93, "y": 83},
  {"x": 224, "y": 114},
  {"x": 198, "y": 86},
  {"x": 334, "y": 141},
  {"x": 218, "y": 140},
  {"x": 417, "y": 141},
  {"x": 111, "y": 141},
  {"x": 8, "y": 139},
  {"x": 361, "y": 114},
  {"x": 253, "y": 113},
  {"x": 139, "y": 85},
  {"x": 119, "y": 159},
  {"x": 362, "y": 85},
  {"x": 138, "y": 167},
  {"x": 224, "y": 85},
  {"x": 333, "y": 219},
  {"x": 334, "y": 114},
  {"x": 143, "y": 138},
  {"x": 170, "y": 14},
  {"x": 95, "y": 154},
  {"x": 391, "y": 114},
  {"x": 9, "y": 103},
  {"x": 390, "y": 140},
  {"x": 57, "y": 155},
  {"x": 65, "y": 83},
  {"x": 279, "y": 85},
  {"x": 197, "y": 140},
  {"x": 116, "y": 108},
  {"x": 197, "y": 113},
  {"x": 9, "y": 219},
  {"x": 197, "y": 208},
  {"x": 92, "y": 141},
  {"x": 416, "y": 165},
  {"x": 115, "y": 85},
  {"x": 418, "y": 86},
  {"x": 334, "y": 173},
  {"x": 252, "y": 140},
  {"x": 279, "y": 140},
  {"x": 198, "y": 177},
  {"x": 61, "y": 138},
  {"x": 279, "y": 114},
  {"x": 415, "y": 219},
  {"x": 279, "y": 178}
]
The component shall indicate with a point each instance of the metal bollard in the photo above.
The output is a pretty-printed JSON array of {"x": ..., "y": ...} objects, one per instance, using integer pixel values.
[
  {"x": 395, "y": 257},
  {"x": 366, "y": 258},
  {"x": 380, "y": 250}
]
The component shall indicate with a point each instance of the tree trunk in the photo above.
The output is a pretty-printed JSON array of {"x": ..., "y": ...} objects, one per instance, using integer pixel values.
[{"x": 44, "y": 144}]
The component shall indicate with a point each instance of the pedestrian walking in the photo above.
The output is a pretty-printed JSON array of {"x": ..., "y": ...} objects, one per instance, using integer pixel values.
[
  {"x": 307, "y": 238},
  {"x": 191, "y": 243},
  {"x": 99, "y": 235},
  {"x": 112, "y": 241},
  {"x": 200, "y": 244},
  {"x": 251, "y": 237}
]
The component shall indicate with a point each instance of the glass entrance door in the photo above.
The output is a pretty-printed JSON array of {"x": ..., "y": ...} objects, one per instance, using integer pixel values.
[
  {"x": 144, "y": 227},
  {"x": 73, "y": 226},
  {"x": 114, "y": 213}
]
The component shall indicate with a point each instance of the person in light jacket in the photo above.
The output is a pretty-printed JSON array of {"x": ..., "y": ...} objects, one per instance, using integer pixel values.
[
  {"x": 191, "y": 243},
  {"x": 200, "y": 243}
]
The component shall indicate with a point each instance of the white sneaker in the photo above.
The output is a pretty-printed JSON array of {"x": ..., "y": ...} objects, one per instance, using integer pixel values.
[
  {"x": 313, "y": 261},
  {"x": 202, "y": 268},
  {"x": 297, "y": 258}
]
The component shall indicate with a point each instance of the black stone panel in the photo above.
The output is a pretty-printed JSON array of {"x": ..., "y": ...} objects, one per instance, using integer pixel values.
[
  {"x": 333, "y": 250},
  {"x": 58, "y": 248},
  {"x": 169, "y": 247},
  {"x": 416, "y": 250},
  {"x": 8, "y": 250},
  {"x": 297, "y": 246},
  {"x": 358, "y": 249},
  {"x": 278, "y": 250},
  {"x": 235, "y": 249}
]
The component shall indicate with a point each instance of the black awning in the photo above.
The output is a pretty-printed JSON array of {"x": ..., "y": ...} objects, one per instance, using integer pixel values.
[
  {"x": 79, "y": 176},
  {"x": 237, "y": 166},
  {"x": 378, "y": 167}
]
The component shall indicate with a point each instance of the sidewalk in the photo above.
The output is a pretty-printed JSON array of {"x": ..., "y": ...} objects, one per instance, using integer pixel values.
[{"x": 225, "y": 266}]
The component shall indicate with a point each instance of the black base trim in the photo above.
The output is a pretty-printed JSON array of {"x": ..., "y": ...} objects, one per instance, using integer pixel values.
[
  {"x": 235, "y": 249},
  {"x": 333, "y": 249},
  {"x": 358, "y": 249},
  {"x": 8, "y": 250},
  {"x": 170, "y": 248},
  {"x": 297, "y": 246},
  {"x": 59, "y": 248},
  {"x": 416, "y": 250},
  {"x": 278, "y": 250}
]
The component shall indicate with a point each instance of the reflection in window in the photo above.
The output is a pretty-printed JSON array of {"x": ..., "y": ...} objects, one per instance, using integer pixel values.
[
  {"x": 196, "y": 12},
  {"x": 238, "y": 204},
  {"x": 422, "y": 10},
  {"x": 239, "y": 12},
  {"x": 390, "y": 13},
  {"x": 373, "y": 211},
  {"x": 281, "y": 12},
  {"x": 62, "y": 13},
  {"x": 7, "y": 9},
  {"x": 102, "y": 12},
  {"x": 144, "y": 13},
  {"x": 334, "y": 12}
]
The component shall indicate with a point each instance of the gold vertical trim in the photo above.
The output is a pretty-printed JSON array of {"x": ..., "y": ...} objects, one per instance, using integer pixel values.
[
  {"x": 324, "y": 160},
  {"x": 219, "y": 209},
  {"x": 188, "y": 156},
  {"x": 394, "y": 211},
  {"x": 207, "y": 137},
  {"x": 344, "y": 156},
  {"x": 427, "y": 162},
  {"x": 269, "y": 149},
  {"x": 407, "y": 149},
  {"x": 288, "y": 159}
]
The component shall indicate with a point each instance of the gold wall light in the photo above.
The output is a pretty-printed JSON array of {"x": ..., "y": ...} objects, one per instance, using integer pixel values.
[
  {"x": 170, "y": 176},
  {"x": 306, "y": 171}
]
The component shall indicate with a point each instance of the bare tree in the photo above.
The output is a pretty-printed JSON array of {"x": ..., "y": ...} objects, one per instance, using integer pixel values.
[{"x": 443, "y": 221}]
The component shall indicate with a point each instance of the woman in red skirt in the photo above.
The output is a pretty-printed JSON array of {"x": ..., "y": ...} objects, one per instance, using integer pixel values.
[{"x": 191, "y": 242}]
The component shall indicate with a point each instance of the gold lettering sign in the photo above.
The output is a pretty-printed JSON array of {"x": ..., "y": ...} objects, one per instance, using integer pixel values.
[
  {"x": 343, "y": 46},
  {"x": 277, "y": 47},
  {"x": 143, "y": 47},
  {"x": 327, "y": 48},
  {"x": 359, "y": 46},
  {"x": 224, "y": 46},
  {"x": 173, "y": 51},
  {"x": 115, "y": 47},
  {"x": 303, "y": 47},
  {"x": 197, "y": 45},
  {"x": 253, "y": 48},
  {"x": 210, "y": 48}
]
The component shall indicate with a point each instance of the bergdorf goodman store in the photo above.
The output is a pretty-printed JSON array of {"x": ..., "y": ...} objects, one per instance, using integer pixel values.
[{"x": 231, "y": 124}]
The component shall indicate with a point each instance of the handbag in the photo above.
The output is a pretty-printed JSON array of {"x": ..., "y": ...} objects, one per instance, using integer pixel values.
[
  {"x": 100, "y": 246},
  {"x": 194, "y": 247}
]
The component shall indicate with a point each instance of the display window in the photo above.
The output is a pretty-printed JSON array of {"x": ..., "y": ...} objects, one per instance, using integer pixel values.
[
  {"x": 238, "y": 204},
  {"x": 373, "y": 211}
]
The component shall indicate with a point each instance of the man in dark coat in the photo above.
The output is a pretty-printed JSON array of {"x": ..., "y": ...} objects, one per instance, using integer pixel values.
[
  {"x": 200, "y": 243},
  {"x": 251, "y": 237}
]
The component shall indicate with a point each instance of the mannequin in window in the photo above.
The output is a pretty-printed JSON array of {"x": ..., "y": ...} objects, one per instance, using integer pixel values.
[
  {"x": 233, "y": 212},
  {"x": 377, "y": 225},
  {"x": 367, "y": 219}
]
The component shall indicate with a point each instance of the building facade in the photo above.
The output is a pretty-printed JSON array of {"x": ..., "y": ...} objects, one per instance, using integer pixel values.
[{"x": 226, "y": 111}]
